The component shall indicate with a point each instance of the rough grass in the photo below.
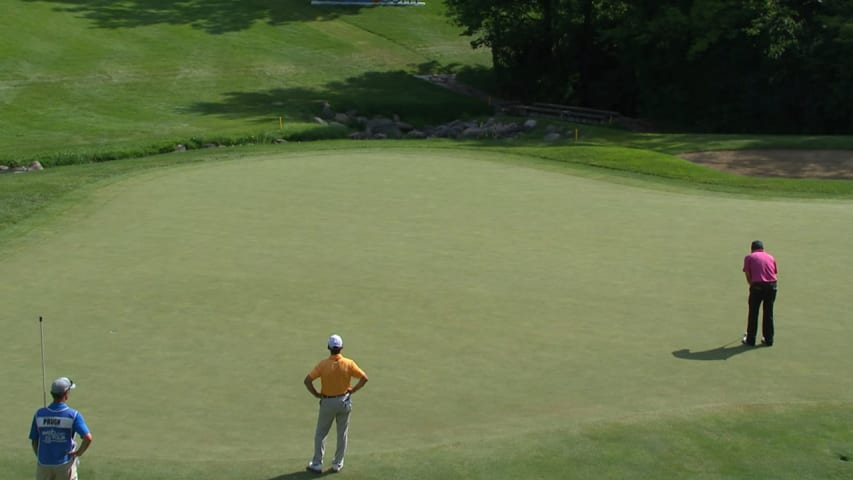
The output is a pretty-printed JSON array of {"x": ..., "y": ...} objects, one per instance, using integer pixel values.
[{"x": 90, "y": 77}]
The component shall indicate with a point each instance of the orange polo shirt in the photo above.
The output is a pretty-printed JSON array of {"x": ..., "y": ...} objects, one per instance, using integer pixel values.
[{"x": 335, "y": 374}]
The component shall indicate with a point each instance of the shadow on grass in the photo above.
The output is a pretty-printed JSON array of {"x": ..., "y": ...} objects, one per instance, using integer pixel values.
[
  {"x": 475, "y": 76},
  {"x": 212, "y": 16},
  {"x": 302, "y": 474},
  {"x": 374, "y": 93},
  {"x": 720, "y": 353}
]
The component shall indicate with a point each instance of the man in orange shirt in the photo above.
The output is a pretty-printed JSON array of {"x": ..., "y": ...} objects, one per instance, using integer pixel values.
[{"x": 335, "y": 374}]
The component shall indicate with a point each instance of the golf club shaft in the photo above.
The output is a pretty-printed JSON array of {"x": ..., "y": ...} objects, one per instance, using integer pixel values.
[{"x": 43, "y": 374}]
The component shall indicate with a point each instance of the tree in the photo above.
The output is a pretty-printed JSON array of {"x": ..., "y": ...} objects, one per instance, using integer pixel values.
[
  {"x": 714, "y": 65},
  {"x": 540, "y": 48}
]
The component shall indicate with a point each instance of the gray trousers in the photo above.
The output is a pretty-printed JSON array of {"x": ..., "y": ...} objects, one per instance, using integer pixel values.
[{"x": 332, "y": 410}]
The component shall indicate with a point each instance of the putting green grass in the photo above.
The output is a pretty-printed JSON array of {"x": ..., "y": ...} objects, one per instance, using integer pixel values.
[{"x": 515, "y": 322}]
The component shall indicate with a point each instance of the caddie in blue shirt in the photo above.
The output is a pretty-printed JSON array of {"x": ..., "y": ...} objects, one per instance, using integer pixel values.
[{"x": 52, "y": 434}]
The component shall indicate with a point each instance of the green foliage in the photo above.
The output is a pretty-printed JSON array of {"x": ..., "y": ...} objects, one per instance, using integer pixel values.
[{"x": 704, "y": 65}]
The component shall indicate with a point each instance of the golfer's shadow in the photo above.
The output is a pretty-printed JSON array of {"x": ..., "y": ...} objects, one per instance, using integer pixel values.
[
  {"x": 300, "y": 475},
  {"x": 720, "y": 353}
]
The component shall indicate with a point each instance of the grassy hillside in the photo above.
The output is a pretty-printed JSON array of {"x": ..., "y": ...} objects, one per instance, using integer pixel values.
[{"x": 84, "y": 75}]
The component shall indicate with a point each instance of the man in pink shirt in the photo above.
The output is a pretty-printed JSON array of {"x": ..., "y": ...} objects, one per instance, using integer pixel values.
[{"x": 760, "y": 270}]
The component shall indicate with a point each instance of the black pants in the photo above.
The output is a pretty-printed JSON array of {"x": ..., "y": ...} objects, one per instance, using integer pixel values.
[{"x": 761, "y": 293}]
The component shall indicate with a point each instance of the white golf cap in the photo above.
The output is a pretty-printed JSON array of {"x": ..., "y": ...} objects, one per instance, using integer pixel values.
[
  {"x": 335, "y": 341},
  {"x": 62, "y": 385}
]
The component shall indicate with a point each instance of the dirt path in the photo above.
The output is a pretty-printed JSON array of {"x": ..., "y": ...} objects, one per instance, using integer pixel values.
[{"x": 779, "y": 163}]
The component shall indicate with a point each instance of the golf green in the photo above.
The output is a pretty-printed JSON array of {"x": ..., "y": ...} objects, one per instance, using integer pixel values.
[{"x": 487, "y": 299}]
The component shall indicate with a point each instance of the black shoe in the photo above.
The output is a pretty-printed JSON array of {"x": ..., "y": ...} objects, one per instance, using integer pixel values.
[
  {"x": 747, "y": 342},
  {"x": 766, "y": 343}
]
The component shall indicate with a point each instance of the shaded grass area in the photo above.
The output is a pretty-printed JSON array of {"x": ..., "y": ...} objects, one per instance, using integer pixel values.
[
  {"x": 756, "y": 442},
  {"x": 675, "y": 143},
  {"x": 370, "y": 94},
  {"x": 213, "y": 17}
]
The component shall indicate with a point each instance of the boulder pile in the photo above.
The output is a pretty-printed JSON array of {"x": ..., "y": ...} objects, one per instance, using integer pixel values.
[
  {"x": 381, "y": 127},
  {"x": 32, "y": 167}
]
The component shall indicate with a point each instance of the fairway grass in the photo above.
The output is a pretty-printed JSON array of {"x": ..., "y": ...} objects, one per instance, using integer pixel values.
[{"x": 516, "y": 322}]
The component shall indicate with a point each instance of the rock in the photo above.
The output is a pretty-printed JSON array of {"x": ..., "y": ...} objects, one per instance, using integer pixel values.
[
  {"x": 4, "y": 168},
  {"x": 503, "y": 130},
  {"x": 359, "y": 136},
  {"x": 380, "y": 127},
  {"x": 392, "y": 133},
  {"x": 443, "y": 131},
  {"x": 35, "y": 166},
  {"x": 279, "y": 140},
  {"x": 432, "y": 131},
  {"x": 180, "y": 147},
  {"x": 472, "y": 132},
  {"x": 455, "y": 125},
  {"x": 378, "y": 123},
  {"x": 383, "y": 126}
]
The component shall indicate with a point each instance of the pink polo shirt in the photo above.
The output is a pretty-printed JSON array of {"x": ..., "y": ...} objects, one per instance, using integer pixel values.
[{"x": 761, "y": 267}]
